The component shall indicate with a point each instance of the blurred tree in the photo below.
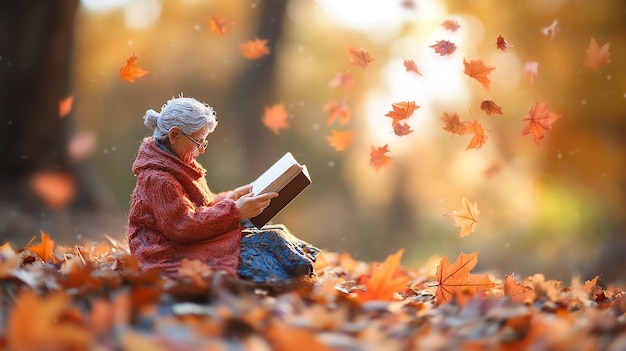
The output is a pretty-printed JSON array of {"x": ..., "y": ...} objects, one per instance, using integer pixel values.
[{"x": 35, "y": 70}]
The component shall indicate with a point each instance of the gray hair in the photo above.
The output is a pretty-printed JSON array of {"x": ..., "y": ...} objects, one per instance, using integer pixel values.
[{"x": 186, "y": 113}]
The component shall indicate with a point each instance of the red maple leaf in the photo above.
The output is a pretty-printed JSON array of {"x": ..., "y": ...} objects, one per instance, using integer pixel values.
[
  {"x": 401, "y": 128},
  {"x": 444, "y": 47},
  {"x": 378, "y": 159},
  {"x": 491, "y": 107},
  {"x": 451, "y": 25},
  {"x": 337, "y": 110},
  {"x": 358, "y": 57},
  {"x": 501, "y": 43},
  {"x": 538, "y": 120}
]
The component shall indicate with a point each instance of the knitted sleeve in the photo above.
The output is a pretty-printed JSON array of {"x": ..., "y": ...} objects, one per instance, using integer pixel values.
[{"x": 179, "y": 219}]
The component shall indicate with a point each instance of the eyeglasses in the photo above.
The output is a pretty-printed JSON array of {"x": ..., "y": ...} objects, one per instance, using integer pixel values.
[{"x": 202, "y": 145}]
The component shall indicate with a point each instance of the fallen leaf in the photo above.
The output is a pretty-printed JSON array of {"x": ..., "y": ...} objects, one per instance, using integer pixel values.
[
  {"x": 55, "y": 188},
  {"x": 479, "y": 139},
  {"x": 276, "y": 118},
  {"x": 65, "y": 106},
  {"x": 456, "y": 278},
  {"x": 453, "y": 124},
  {"x": 219, "y": 25},
  {"x": 444, "y": 47},
  {"x": 538, "y": 120},
  {"x": 358, "y": 57},
  {"x": 451, "y": 25},
  {"x": 491, "y": 107},
  {"x": 501, "y": 43},
  {"x": 466, "y": 217},
  {"x": 132, "y": 71},
  {"x": 410, "y": 66},
  {"x": 385, "y": 281},
  {"x": 378, "y": 159},
  {"x": 337, "y": 110},
  {"x": 340, "y": 140},
  {"x": 255, "y": 49},
  {"x": 597, "y": 55},
  {"x": 550, "y": 31},
  {"x": 45, "y": 249},
  {"x": 477, "y": 70},
  {"x": 518, "y": 292},
  {"x": 530, "y": 70}
]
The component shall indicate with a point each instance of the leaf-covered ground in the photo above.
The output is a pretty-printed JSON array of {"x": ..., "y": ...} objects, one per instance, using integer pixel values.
[{"x": 93, "y": 297}]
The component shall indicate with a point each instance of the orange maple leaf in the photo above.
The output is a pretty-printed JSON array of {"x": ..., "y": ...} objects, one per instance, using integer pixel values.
[
  {"x": 55, "y": 188},
  {"x": 455, "y": 278},
  {"x": 410, "y": 66},
  {"x": 452, "y": 124},
  {"x": 477, "y": 70},
  {"x": 343, "y": 79},
  {"x": 340, "y": 140},
  {"x": 358, "y": 57},
  {"x": 337, "y": 110},
  {"x": 444, "y": 47},
  {"x": 597, "y": 55},
  {"x": 276, "y": 118},
  {"x": 385, "y": 281},
  {"x": 501, "y": 43},
  {"x": 491, "y": 107},
  {"x": 131, "y": 71},
  {"x": 219, "y": 25},
  {"x": 401, "y": 128},
  {"x": 479, "y": 138},
  {"x": 518, "y": 292},
  {"x": 45, "y": 249},
  {"x": 401, "y": 110},
  {"x": 451, "y": 25},
  {"x": 378, "y": 159},
  {"x": 530, "y": 70},
  {"x": 254, "y": 49},
  {"x": 466, "y": 217},
  {"x": 538, "y": 120},
  {"x": 65, "y": 106}
]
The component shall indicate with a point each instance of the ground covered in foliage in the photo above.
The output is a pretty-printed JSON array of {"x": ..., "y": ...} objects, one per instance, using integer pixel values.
[{"x": 93, "y": 297}]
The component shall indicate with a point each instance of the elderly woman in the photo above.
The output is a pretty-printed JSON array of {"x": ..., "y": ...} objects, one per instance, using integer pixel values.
[{"x": 174, "y": 215}]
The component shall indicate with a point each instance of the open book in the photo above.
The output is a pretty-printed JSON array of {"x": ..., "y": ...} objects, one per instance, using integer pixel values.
[{"x": 286, "y": 177}]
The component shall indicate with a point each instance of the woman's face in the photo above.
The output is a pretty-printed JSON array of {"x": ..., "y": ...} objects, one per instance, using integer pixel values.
[{"x": 188, "y": 147}]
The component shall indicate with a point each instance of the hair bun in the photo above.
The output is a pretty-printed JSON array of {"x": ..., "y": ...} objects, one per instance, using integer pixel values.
[{"x": 150, "y": 119}]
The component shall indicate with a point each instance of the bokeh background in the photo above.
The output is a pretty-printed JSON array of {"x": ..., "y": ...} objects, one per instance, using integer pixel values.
[{"x": 557, "y": 208}]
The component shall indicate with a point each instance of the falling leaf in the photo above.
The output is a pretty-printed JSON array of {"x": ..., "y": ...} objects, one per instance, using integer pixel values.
[
  {"x": 132, "y": 71},
  {"x": 402, "y": 110},
  {"x": 410, "y": 66},
  {"x": 538, "y": 120},
  {"x": 477, "y": 70},
  {"x": 342, "y": 79},
  {"x": 597, "y": 56},
  {"x": 378, "y": 159},
  {"x": 340, "y": 140},
  {"x": 255, "y": 49},
  {"x": 451, "y": 25},
  {"x": 55, "y": 188},
  {"x": 401, "y": 129},
  {"x": 501, "y": 43},
  {"x": 219, "y": 25},
  {"x": 550, "y": 31},
  {"x": 65, "y": 106},
  {"x": 45, "y": 249},
  {"x": 466, "y": 217},
  {"x": 530, "y": 70},
  {"x": 408, "y": 4},
  {"x": 80, "y": 145},
  {"x": 456, "y": 278},
  {"x": 444, "y": 47},
  {"x": 385, "y": 282},
  {"x": 491, "y": 107},
  {"x": 337, "y": 110},
  {"x": 358, "y": 57},
  {"x": 518, "y": 292},
  {"x": 452, "y": 124},
  {"x": 479, "y": 138},
  {"x": 276, "y": 118}
]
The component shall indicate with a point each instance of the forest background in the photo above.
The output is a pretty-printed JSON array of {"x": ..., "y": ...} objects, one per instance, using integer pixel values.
[{"x": 557, "y": 207}]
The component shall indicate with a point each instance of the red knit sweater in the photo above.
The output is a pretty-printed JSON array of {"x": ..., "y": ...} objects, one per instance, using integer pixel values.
[{"x": 173, "y": 215}]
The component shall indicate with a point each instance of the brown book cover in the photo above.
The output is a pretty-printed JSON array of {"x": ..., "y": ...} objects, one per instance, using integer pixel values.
[{"x": 285, "y": 195}]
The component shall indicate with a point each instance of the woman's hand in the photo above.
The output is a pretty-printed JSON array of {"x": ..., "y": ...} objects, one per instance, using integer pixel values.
[
  {"x": 250, "y": 205},
  {"x": 240, "y": 191}
]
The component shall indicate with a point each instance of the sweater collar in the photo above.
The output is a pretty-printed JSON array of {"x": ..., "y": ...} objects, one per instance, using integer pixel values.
[{"x": 152, "y": 156}]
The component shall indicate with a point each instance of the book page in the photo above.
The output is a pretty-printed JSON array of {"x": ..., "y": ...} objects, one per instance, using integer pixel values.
[{"x": 275, "y": 177}]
